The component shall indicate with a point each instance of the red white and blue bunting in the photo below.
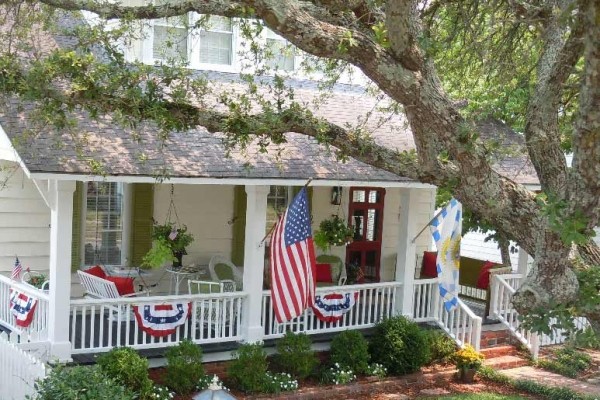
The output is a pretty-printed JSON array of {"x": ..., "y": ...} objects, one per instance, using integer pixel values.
[
  {"x": 332, "y": 307},
  {"x": 22, "y": 306},
  {"x": 162, "y": 319}
]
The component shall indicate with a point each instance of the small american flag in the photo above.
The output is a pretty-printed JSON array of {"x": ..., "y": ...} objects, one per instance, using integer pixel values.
[
  {"x": 293, "y": 261},
  {"x": 17, "y": 269}
]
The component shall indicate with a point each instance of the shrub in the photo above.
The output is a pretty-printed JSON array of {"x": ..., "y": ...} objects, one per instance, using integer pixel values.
[
  {"x": 586, "y": 338},
  {"x": 350, "y": 350},
  {"x": 400, "y": 345},
  {"x": 377, "y": 370},
  {"x": 80, "y": 383},
  {"x": 295, "y": 355},
  {"x": 206, "y": 380},
  {"x": 248, "y": 369},
  {"x": 184, "y": 367},
  {"x": 127, "y": 367},
  {"x": 161, "y": 393},
  {"x": 338, "y": 375},
  {"x": 281, "y": 382},
  {"x": 567, "y": 362},
  {"x": 441, "y": 347}
]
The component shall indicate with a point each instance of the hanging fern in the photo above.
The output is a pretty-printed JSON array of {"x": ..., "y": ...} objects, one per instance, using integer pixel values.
[{"x": 332, "y": 232}]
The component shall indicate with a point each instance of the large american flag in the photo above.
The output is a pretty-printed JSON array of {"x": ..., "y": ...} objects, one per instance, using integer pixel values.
[
  {"x": 17, "y": 269},
  {"x": 293, "y": 261}
]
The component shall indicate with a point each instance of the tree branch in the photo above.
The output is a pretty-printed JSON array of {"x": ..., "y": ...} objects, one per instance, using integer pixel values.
[{"x": 402, "y": 22}]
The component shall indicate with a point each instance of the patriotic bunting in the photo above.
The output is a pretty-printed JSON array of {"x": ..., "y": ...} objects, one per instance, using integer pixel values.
[
  {"x": 162, "y": 319},
  {"x": 332, "y": 307},
  {"x": 22, "y": 307}
]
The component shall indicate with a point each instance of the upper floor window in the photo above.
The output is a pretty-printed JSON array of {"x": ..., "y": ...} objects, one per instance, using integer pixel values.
[
  {"x": 216, "y": 42},
  {"x": 281, "y": 55},
  {"x": 170, "y": 38}
]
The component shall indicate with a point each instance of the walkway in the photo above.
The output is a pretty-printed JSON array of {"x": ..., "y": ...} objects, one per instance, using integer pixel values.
[{"x": 551, "y": 379}]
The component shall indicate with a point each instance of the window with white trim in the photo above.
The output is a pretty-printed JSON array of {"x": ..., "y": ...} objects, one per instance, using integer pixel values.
[
  {"x": 216, "y": 42},
  {"x": 277, "y": 201},
  {"x": 170, "y": 38},
  {"x": 281, "y": 55},
  {"x": 104, "y": 218}
]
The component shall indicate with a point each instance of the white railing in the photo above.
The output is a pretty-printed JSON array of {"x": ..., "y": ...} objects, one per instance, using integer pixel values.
[
  {"x": 503, "y": 288},
  {"x": 18, "y": 370},
  {"x": 461, "y": 324},
  {"x": 98, "y": 325},
  {"x": 374, "y": 302},
  {"x": 38, "y": 329},
  {"x": 559, "y": 336}
]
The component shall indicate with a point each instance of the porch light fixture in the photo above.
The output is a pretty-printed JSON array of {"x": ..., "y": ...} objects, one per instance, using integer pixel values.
[
  {"x": 336, "y": 195},
  {"x": 214, "y": 391}
]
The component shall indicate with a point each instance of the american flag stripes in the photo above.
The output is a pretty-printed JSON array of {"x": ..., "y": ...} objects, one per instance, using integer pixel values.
[
  {"x": 17, "y": 269},
  {"x": 293, "y": 261}
]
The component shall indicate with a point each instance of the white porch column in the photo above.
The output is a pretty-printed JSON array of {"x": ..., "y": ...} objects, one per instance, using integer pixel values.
[
  {"x": 61, "y": 220},
  {"x": 254, "y": 261},
  {"x": 523, "y": 259},
  {"x": 405, "y": 262}
]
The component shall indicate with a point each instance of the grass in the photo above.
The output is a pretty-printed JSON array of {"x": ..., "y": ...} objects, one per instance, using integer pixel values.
[{"x": 481, "y": 396}]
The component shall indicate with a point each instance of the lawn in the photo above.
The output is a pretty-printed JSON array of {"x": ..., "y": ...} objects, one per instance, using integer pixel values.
[{"x": 482, "y": 396}]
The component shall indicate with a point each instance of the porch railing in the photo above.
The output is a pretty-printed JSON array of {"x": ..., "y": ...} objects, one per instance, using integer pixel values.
[
  {"x": 461, "y": 324},
  {"x": 373, "y": 303},
  {"x": 38, "y": 329},
  {"x": 98, "y": 325}
]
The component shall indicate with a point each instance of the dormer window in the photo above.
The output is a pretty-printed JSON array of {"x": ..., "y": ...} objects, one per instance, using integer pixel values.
[{"x": 216, "y": 42}]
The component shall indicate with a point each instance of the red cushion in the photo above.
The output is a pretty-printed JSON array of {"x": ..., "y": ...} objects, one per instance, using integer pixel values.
[
  {"x": 483, "y": 281},
  {"x": 96, "y": 271},
  {"x": 429, "y": 267},
  {"x": 124, "y": 284},
  {"x": 324, "y": 273}
]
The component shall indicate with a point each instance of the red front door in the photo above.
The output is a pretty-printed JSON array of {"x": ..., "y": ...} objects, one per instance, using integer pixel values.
[{"x": 366, "y": 217}]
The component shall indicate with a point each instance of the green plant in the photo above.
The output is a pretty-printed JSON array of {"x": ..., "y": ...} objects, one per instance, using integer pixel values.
[
  {"x": 159, "y": 254},
  {"x": 295, "y": 355},
  {"x": 338, "y": 375},
  {"x": 351, "y": 350},
  {"x": 125, "y": 365},
  {"x": 567, "y": 362},
  {"x": 377, "y": 370},
  {"x": 80, "y": 383},
  {"x": 37, "y": 280},
  {"x": 332, "y": 232},
  {"x": 586, "y": 339},
  {"x": 161, "y": 393},
  {"x": 206, "y": 380},
  {"x": 177, "y": 238},
  {"x": 467, "y": 358},
  {"x": 184, "y": 367},
  {"x": 248, "y": 369},
  {"x": 399, "y": 345},
  {"x": 281, "y": 382},
  {"x": 441, "y": 347}
]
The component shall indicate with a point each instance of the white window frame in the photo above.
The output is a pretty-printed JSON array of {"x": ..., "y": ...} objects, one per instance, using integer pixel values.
[
  {"x": 194, "y": 57},
  {"x": 125, "y": 221},
  {"x": 270, "y": 35},
  {"x": 165, "y": 22}
]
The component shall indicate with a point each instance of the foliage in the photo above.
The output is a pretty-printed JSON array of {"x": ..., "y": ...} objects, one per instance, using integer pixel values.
[
  {"x": 332, "y": 232},
  {"x": 248, "y": 369},
  {"x": 587, "y": 339},
  {"x": 184, "y": 367},
  {"x": 206, "y": 380},
  {"x": 37, "y": 280},
  {"x": 350, "y": 349},
  {"x": 80, "y": 383},
  {"x": 566, "y": 361},
  {"x": 159, "y": 254},
  {"x": 161, "y": 393},
  {"x": 338, "y": 375},
  {"x": 295, "y": 355},
  {"x": 281, "y": 382},
  {"x": 177, "y": 238},
  {"x": 376, "y": 369},
  {"x": 441, "y": 347},
  {"x": 400, "y": 345},
  {"x": 125, "y": 365},
  {"x": 549, "y": 392},
  {"x": 467, "y": 358}
]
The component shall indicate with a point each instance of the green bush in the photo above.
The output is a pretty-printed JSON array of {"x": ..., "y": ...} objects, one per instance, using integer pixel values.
[
  {"x": 567, "y": 362},
  {"x": 184, "y": 367},
  {"x": 350, "y": 349},
  {"x": 125, "y": 365},
  {"x": 441, "y": 347},
  {"x": 295, "y": 355},
  {"x": 400, "y": 345},
  {"x": 586, "y": 339},
  {"x": 248, "y": 369},
  {"x": 80, "y": 383}
]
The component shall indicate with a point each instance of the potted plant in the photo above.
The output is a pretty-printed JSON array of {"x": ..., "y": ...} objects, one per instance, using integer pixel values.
[
  {"x": 333, "y": 231},
  {"x": 168, "y": 244},
  {"x": 37, "y": 280},
  {"x": 467, "y": 361}
]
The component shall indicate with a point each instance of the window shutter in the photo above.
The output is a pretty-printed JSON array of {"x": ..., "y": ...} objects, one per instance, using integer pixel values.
[
  {"x": 239, "y": 225},
  {"x": 142, "y": 212},
  {"x": 76, "y": 235}
]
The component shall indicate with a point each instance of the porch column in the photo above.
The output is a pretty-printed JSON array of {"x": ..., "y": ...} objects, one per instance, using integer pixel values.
[
  {"x": 523, "y": 259},
  {"x": 406, "y": 260},
  {"x": 254, "y": 250},
  {"x": 61, "y": 220}
]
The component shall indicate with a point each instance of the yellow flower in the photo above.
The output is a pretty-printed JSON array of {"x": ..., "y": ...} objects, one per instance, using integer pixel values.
[{"x": 468, "y": 357}]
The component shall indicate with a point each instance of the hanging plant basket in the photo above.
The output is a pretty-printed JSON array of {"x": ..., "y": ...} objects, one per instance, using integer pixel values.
[
  {"x": 168, "y": 244},
  {"x": 333, "y": 231}
]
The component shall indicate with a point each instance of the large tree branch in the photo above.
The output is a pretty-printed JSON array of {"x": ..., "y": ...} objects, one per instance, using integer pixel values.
[
  {"x": 402, "y": 22},
  {"x": 562, "y": 49}
]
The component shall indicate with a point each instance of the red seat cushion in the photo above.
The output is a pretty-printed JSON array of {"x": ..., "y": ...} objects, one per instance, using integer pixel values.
[
  {"x": 96, "y": 271},
  {"x": 483, "y": 281},
  {"x": 429, "y": 266},
  {"x": 124, "y": 284},
  {"x": 324, "y": 273}
]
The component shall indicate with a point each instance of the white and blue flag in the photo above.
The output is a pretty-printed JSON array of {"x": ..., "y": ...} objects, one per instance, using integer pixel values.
[{"x": 446, "y": 229}]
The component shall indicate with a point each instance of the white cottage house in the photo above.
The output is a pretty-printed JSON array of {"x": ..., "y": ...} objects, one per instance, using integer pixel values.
[{"x": 88, "y": 195}]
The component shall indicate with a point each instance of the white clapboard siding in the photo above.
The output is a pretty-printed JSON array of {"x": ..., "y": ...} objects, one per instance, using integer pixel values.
[
  {"x": 18, "y": 370},
  {"x": 24, "y": 222},
  {"x": 473, "y": 245}
]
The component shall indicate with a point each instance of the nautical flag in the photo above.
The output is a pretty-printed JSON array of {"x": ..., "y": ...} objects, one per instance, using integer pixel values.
[
  {"x": 447, "y": 231},
  {"x": 162, "y": 319},
  {"x": 293, "y": 261},
  {"x": 22, "y": 306},
  {"x": 332, "y": 307},
  {"x": 17, "y": 269}
]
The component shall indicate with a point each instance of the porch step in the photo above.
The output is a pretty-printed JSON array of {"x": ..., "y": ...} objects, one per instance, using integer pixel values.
[
  {"x": 506, "y": 362},
  {"x": 499, "y": 351},
  {"x": 495, "y": 337}
]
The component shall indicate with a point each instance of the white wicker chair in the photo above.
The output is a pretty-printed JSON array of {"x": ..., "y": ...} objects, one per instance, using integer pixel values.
[{"x": 221, "y": 269}]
